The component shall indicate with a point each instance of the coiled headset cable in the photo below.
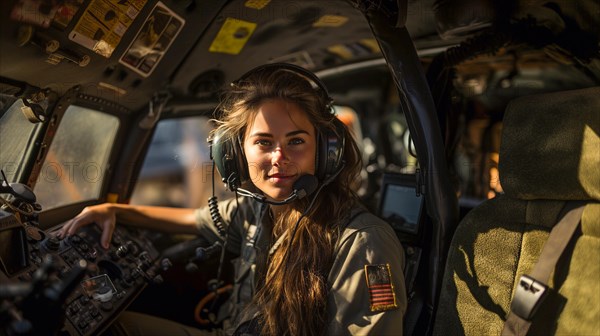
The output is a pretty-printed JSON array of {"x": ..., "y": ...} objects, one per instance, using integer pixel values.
[
  {"x": 215, "y": 215},
  {"x": 216, "y": 286}
]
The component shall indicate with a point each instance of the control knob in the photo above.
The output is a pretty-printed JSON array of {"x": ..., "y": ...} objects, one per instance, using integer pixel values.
[{"x": 52, "y": 243}]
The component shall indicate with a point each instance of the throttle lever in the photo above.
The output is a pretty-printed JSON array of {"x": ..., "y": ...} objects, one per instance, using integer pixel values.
[
  {"x": 202, "y": 254},
  {"x": 178, "y": 251}
]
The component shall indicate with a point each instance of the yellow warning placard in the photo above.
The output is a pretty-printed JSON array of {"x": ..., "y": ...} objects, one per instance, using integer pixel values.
[
  {"x": 232, "y": 37},
  {"x": 330, "y": 21},
  {"x": 341, "y": 50},
  {"x": 102, "y": 25},
  {"x": 257, "y": 4},
  {"x": 371, "y": 44}
]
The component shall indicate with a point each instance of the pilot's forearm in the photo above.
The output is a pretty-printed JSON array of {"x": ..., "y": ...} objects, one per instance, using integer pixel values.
[{"x": 166, "y": 219}]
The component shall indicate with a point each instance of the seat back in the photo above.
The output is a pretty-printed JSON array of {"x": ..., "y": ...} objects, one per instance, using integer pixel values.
[{"x": 549, "y": 155}]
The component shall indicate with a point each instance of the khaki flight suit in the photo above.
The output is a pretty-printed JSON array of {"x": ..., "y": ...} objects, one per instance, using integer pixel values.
[{"x": 366, "y": 246}]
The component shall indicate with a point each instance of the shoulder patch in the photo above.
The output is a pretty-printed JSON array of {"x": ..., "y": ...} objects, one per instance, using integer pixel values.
[{"x": 381, "y": 290}]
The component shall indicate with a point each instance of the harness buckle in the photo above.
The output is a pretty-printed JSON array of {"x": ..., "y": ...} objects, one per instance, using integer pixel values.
[{"x": 528, "y": 297}]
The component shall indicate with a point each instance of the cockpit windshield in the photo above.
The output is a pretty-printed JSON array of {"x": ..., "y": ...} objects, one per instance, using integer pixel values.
[{"x": 77, "y": 159}]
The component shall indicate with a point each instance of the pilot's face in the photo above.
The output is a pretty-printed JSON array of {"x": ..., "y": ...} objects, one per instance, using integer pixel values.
[{"x": 280, "y": 146}]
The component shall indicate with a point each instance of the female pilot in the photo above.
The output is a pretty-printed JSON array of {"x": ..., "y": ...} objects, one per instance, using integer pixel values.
[{"x": 311, "y": 259}]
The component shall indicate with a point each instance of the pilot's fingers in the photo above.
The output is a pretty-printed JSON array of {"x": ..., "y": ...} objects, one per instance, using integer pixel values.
[
  {"x": 108, "y": 227},
  {"x": 64, "y": 231},
  {"x": 86, "y": 217},
  {"x": 72, "y": 226}
]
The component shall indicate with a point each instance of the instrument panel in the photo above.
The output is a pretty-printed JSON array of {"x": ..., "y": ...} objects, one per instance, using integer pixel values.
[{"x": 71, "y": 285}]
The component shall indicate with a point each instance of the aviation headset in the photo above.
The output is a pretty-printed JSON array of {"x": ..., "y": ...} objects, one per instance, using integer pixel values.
[{"x": 228, "y": 155}]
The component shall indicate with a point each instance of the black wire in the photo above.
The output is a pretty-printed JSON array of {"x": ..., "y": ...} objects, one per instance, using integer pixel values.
[
  {"x": 213, "y": 206},
  {"x": 310, "y": 205},
  {"x": 225, "y": 237},
  {"x": 213, "y": 178}
]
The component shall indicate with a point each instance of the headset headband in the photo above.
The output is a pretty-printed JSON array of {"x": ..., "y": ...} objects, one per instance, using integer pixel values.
[{"x": 316, "y": 82}]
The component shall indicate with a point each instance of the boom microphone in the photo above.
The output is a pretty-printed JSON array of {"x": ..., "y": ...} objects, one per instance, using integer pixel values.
[{"x": 303, "y": 187}]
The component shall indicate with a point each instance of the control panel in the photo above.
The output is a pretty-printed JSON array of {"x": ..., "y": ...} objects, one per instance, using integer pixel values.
[{"x": 110, "y": 280}]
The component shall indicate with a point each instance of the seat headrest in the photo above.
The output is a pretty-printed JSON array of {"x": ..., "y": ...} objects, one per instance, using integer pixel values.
[{"x": 550, "y": 146}]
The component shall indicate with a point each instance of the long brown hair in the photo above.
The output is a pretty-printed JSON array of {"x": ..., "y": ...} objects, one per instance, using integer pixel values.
[{"x": 293, "y": 299}]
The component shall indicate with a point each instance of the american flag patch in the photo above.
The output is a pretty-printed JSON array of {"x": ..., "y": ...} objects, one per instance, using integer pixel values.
[{"x": 381, "y": 291}]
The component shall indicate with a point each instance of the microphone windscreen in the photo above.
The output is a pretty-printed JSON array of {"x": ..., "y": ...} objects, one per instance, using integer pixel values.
[{"x": 306, "y": 185}]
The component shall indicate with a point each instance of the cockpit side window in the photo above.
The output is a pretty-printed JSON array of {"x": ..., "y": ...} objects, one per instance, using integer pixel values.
[{"x": 16, "y": 137}]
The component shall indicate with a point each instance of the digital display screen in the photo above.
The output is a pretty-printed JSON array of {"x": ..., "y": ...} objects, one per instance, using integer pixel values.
[{"x": 400, "y": 206}]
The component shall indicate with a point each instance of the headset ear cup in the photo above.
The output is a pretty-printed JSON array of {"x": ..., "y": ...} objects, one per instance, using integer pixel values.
[
  {"x": 330, "y": 151},
  {"x": 229, "y": 160},
  {"x": 241, "y": 164}
]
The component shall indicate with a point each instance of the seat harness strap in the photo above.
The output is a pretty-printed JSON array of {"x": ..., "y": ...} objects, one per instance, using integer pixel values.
[{"x": 532, "y": 288}]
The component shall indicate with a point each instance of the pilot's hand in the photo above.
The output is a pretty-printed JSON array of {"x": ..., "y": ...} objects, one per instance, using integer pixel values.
[{"x": 103, "y": 215}]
